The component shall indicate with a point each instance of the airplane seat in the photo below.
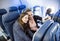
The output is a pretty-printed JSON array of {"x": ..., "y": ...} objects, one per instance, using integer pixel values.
[
  {"x": 56, "y": 17},
  {"x": 40, "y": 33},
  {"x": 47, "y": 32},
  {"x": 21, "y": 8},
  {"x": 2, "y": 12},
  {"x": 50, "y": 35},
  {"x": 13, "y": 8},
  {"x": 8, "y": 21}
]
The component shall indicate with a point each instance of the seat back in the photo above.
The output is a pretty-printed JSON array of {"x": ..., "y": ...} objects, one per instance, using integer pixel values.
[
  {"x": 40, "y": 33},
  {"x": 49, "y": 32},
  {"x": 2, "y": 12},
  {"x": 52, "y": 30},
  {"x": 8, "y": 21}
]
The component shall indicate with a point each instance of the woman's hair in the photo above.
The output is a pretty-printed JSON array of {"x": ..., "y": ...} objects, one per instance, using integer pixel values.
[{"x": 21, "y": 22}]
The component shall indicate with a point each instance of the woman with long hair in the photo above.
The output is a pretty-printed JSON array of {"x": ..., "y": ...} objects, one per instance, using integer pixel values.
[{"x": 20, "y": 28}]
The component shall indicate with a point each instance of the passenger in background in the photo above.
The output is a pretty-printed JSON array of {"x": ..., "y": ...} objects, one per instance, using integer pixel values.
[
  {"x": 20, "y": 29},
  {"x": 48, "y": 14}
]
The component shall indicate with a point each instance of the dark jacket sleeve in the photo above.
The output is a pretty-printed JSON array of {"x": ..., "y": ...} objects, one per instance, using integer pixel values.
[
  {"x": 19, "y": 34},
  {"x": 37, "y": 17}
]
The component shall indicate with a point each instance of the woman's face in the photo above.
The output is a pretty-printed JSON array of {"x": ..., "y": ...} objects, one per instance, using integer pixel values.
[{"x": 25, "y": 19}]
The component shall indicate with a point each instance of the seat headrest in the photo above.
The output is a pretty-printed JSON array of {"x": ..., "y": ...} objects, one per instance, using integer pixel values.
[
  {"x": 13, "y": 8},
  {"x": 21, "y": 7},
  {"x": 3, "y": 11},
  {"x": 10, "y": 16}
]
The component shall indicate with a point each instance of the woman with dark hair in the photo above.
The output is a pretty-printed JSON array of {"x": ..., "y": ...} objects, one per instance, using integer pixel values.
[{"x": 20, "y": 29}]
